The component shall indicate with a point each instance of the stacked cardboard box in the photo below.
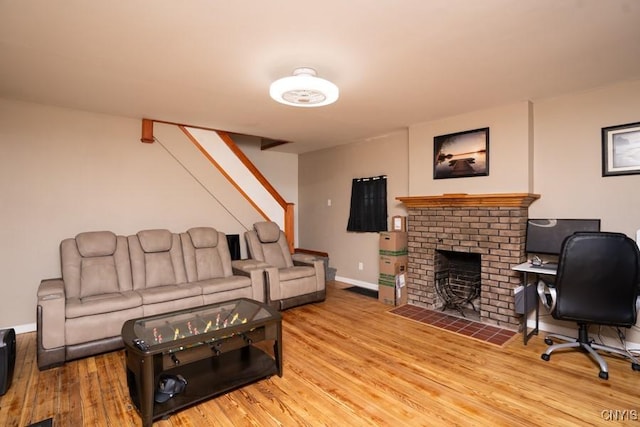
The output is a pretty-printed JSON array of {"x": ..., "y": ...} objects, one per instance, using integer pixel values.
[{"x": 393, "y": 251}]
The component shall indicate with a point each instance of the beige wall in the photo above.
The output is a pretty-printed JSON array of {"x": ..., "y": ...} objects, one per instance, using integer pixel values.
[
  {"x": 509, "y": 142},
  {"x": 326, "y": 175},
  {"x": 568, "y": 158},
  {"x": 568, "y": 168},
  {"x": 407, "y": 158},
  {"x": 66, "y": 171}
]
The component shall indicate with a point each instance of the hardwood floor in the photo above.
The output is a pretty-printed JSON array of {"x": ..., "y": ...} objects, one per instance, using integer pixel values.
[{"x": 348, "y": 362}]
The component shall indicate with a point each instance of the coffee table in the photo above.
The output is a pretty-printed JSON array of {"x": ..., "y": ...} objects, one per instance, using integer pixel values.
[{"x": 212, "y": 347}]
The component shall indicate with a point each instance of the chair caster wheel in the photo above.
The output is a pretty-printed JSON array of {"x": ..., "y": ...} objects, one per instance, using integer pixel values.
[
  {"x": 545, "y": 356},
  {"x": 635, "y": 367},
  {"x": 604, "y": 375},
  {"x": 548, "y": 341}
]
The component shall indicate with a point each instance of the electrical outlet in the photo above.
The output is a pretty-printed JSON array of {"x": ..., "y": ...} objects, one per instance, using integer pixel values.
[
  {"x": 328, "y": 202},
  {"x": 360, "y": 265}
]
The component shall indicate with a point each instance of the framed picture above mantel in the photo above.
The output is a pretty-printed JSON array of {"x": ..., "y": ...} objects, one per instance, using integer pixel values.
[
  {"x": 621, "y": 149},
  {"x": 461, "y": 155}
]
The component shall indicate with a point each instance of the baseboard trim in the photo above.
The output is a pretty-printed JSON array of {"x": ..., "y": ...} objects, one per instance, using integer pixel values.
[
  {"x": 367, "y": 285},
  {"x": 23, "y": 329}
]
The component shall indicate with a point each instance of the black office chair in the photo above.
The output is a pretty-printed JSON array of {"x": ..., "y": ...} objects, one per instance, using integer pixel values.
[{"x": 596, "y": 283}]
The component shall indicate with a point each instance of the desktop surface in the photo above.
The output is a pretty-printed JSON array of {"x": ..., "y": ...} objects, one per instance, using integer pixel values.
[{"x": 547, "y": 268}]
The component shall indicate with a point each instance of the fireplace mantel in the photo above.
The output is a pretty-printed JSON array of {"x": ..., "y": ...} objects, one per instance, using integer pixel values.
[{"x": 463, "y": 199}]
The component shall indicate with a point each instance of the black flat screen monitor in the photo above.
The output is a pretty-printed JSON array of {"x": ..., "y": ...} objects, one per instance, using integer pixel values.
[{"x": 545, "y": 236}]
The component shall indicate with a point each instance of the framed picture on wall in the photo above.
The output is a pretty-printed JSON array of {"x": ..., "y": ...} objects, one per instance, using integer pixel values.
[
  {"x": 621, "y": 149},
  {"x": 461, "y": 155}
]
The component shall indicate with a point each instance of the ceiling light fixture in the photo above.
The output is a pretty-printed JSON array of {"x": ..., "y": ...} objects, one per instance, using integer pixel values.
[{"x": 304, "y": 89}]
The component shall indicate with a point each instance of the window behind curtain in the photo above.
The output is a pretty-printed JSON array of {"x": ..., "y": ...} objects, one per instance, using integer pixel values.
[{"x": 368, "y": 204}]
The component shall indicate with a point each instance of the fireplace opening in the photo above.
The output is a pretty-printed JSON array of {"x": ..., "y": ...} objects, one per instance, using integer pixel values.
[{"x": 457, "y": 281}]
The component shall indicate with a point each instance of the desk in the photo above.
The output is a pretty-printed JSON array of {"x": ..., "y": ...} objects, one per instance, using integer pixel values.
[{"x": 526, "y": 268}]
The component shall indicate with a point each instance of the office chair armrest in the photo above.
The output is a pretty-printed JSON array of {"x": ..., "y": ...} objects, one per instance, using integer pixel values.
[{"x": 548, "y": 294}]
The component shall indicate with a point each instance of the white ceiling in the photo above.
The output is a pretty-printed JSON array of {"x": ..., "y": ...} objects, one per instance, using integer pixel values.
[{"x": 397, "y": 62}]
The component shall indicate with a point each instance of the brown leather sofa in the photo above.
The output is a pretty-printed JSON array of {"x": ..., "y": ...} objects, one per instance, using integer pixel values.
[{"x": 108, "y": 279}]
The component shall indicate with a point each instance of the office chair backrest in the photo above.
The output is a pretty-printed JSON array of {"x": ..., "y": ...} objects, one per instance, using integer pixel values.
[{"x": 597, "y": 279}]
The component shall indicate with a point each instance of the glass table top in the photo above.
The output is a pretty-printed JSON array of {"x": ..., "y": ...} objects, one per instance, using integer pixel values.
[{"x": 165, "y": 328}]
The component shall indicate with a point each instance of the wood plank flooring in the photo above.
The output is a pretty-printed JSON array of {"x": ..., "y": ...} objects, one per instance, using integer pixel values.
[{"x": 348, "y": 362}]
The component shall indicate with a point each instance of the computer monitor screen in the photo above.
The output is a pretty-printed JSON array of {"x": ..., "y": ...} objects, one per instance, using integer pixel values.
[{"x": 545, "y": 236}]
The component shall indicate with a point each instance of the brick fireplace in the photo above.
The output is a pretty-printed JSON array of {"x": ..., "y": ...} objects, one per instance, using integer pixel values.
[{"x": 491, "y": 225}]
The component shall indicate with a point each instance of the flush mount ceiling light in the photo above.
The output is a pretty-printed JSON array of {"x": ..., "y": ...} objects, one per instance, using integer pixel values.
[{"x": 304, "y": 89}]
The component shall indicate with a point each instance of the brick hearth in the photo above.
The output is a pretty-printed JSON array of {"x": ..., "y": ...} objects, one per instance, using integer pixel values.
[{"x": 492, "y": 225}]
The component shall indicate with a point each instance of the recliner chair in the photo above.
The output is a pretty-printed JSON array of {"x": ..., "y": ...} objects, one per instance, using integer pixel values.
[
  {"x": 596, "y": 283},
  {"x": 290, "y": 280}
]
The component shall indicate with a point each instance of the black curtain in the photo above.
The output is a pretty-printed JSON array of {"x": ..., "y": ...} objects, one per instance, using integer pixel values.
[{"x": 368, "y": 204}]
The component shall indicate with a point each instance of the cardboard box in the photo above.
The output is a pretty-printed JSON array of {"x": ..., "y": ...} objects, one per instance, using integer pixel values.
[
  {"x": 389, "y": 264},
  {"x": 393, "y": 242},
  {"x": 386, "y": 294},
  {"x": 392, "y": 289},
  {"x": 398, "y": 223}
]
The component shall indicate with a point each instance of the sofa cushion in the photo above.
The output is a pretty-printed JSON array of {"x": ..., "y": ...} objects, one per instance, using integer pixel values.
[
  {"x": 274, "y": 255},
  {"x": 96, "y": 243},
  {"x": 160, "y": 294},
  {"x": 159, "y": 269},
  {"x": 266, "y": 242},
  {"x": 268, "y": 231},
  {"x": 98, "y": 276},
  {"x": 203, "y": 237},
  {"x": 103, "y": 303},
  {"x": 155, "y": 240},
  {"x": 297, "y": 272},
  {"x": 92, "y": 265},
  {"x": 206, "y": 254},
  {"x": 209, "y": 264},
  {"x": 212, "y": 286},
  {"x": 156, "y": 259},
  {"x": 92, "y": 327}
]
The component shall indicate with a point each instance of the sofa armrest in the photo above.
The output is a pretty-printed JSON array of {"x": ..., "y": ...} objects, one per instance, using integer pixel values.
[
  {"x": 51, "y": 320},
  {"x": 272, "y": 285},
  {"x": 315, "y": 262},
  {"x": 321, "y": 276},
  {"x": 244, "y": 266},
  {"x": 303, "y": 259},
  {"x": 255, "y": 271}
]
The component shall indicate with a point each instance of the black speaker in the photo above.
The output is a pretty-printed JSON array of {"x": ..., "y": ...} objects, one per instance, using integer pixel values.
[{"x": 7, "y": 358}]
